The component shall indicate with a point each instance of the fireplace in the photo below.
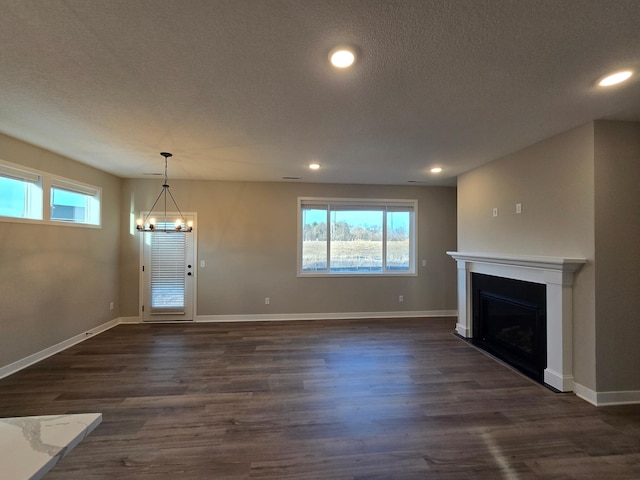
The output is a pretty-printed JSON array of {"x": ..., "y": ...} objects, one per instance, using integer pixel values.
[
  {"x": 509, "y": 321},
  {"x": 555, "y": 275}
]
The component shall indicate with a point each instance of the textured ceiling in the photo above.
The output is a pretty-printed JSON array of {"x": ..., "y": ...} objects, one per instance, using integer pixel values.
[{"x": 242, "y": 90}]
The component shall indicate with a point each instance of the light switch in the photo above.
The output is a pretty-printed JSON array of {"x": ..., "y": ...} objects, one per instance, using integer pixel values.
[{"x": 201, "y": 263}]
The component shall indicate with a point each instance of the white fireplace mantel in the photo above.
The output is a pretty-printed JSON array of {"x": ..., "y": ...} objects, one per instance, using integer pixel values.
[{"x": 556, "y": 273}]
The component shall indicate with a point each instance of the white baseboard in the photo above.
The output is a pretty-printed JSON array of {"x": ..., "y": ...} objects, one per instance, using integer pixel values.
[
  {"x": 585, "y": 393},
  {"x": 462, "y": 330},
  {"x": 563, "y": 383},
  {"x": 59, "y": 347},
  {"x": 127, "y": 320},
  {"x": 260, "y": 317},
  {"x": 601, "y": 399}
]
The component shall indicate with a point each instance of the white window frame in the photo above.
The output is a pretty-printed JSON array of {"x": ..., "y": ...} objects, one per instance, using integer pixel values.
[
  {"x": 34, "y": 198},
  {"x": 361, "y": 203},
  {"x": 93, "y": 217},
  {"x": 40, "y": 200}
]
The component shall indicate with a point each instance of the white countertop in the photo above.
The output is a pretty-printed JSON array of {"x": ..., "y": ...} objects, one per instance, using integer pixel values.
[{"x": 31, "y": 446}]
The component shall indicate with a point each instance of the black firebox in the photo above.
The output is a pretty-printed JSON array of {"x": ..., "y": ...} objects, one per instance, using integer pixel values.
[{"x": 509, "y": 321}]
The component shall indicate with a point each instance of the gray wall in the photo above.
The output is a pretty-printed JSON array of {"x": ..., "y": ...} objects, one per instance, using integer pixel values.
[
  {"x": 579, "y": 192},
  {"x": 247, "y": 234},
  {"x": 554, "y": 181},
  {"x": 56, "y": 281},
  {"x": 617, "y": 239}
]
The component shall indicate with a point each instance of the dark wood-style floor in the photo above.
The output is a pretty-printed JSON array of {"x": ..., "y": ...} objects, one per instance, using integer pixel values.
[{"x": 379, "y": 399}]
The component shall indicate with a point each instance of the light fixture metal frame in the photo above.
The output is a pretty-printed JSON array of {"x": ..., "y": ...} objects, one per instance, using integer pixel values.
[{"x": 144, "y": 226}]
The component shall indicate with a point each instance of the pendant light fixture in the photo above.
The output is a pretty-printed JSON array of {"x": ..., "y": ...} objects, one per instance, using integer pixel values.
[{"x": 150, "y": 223}]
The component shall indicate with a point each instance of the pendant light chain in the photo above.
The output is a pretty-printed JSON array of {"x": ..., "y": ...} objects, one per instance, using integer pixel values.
[{"x": 149, "y": 224}]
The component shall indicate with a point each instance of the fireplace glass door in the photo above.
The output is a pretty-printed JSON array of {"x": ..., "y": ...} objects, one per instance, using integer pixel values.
[{"x": 509, "y": 321}]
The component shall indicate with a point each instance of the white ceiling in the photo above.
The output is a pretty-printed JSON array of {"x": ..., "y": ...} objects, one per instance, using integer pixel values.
[{"x": 242, "y": 90}]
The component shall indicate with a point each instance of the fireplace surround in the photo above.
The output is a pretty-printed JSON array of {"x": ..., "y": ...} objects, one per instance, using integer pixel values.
[{"x": 556, "y": 274}]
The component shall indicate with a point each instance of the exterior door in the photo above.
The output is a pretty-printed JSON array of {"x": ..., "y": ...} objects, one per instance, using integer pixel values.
[{"x": 168, "y": 275}]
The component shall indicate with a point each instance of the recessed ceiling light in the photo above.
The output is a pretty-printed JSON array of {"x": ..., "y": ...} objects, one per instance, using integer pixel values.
[
  {"x": 436, "y": 170},
  {"x": 615, "y": 78},
  {"x": 314, "y": 166},
  {"x": 342, "y": 57}
]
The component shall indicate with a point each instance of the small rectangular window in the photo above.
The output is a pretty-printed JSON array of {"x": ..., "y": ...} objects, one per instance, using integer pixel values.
[
  {"x": 20, "y": 193},
  {"x": 344, "y": 236},
  {"x": 74, "y": 203}
]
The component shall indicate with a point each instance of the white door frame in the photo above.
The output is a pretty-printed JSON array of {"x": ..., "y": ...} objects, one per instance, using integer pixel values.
[{"x": 193, "y": 216}]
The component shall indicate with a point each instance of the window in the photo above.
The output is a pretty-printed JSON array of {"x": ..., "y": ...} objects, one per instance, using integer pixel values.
[
  {"x": 20, "y": 193},
  {"x": 24, "y": 191},
  {"x": 74, "y": 203},
  {"x": 355, "y": 237}
]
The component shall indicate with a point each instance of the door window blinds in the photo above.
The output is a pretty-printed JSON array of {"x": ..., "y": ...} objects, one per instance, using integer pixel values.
[{"x": 167, "y": 274}]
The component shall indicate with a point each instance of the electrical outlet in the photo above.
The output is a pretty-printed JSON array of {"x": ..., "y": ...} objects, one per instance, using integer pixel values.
[
  {"x": 424, "y": 263},
  {"x": 518, "y": 208},
  {"x": 267, "y": 300},
  {"x": 495, "y": 212},
  {"x": 202, "y": 263},
  {"x": 401, "y": 298},
  {"x": 111, "y": 306}
]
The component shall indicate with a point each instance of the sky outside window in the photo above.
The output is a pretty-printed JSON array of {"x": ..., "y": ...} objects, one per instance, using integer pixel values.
[
  {"x": 358, "y": 218},
  {"x": 12, "y": 197}
]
